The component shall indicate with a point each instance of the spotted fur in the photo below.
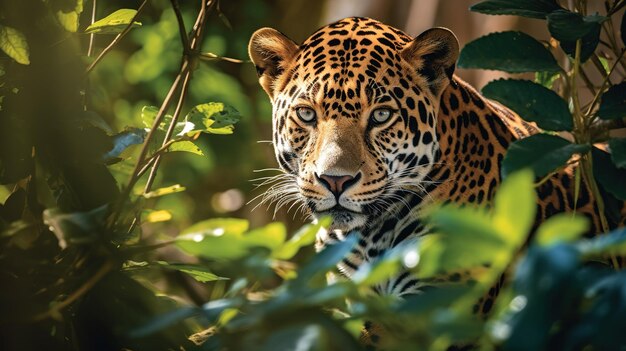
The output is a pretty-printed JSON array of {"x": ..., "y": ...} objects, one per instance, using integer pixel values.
[{"x": 444, "y": 142}]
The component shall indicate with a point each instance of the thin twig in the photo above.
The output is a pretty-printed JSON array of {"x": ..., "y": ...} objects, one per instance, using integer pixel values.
[
  {"x": 181, "y": 26},
  {"x": 116, "y": 39},
  {"x": 92, "y": 35}
]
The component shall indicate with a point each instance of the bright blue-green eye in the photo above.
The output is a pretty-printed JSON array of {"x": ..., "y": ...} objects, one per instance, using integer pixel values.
[
  {"x": 306, "y": 114},
  {"x": 381, "y": 115}
]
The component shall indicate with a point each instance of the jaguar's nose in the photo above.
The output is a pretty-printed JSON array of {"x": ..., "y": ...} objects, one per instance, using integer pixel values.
[{"x": 337, "y": 184}]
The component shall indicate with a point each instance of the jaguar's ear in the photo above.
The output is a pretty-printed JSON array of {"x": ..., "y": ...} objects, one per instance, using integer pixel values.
[
  {"x": 434, "y": 54},
  {"x": 270, "y": 51}
]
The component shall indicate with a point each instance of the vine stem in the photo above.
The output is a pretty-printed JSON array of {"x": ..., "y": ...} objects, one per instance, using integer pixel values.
[
  {"x": 117, "y": 38},
  {"x": 92, "y": 35}
]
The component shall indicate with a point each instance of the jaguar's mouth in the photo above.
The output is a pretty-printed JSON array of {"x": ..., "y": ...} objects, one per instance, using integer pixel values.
[{"x": 343, "y": 218}]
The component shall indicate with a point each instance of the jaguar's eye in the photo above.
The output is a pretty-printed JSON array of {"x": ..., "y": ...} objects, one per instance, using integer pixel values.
[
  {"x": 380, "y": 115},
  {"x": 306, "y": 114}
]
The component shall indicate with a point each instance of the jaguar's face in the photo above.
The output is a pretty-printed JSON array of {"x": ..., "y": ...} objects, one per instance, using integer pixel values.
[{"x": 354, "y": 112}]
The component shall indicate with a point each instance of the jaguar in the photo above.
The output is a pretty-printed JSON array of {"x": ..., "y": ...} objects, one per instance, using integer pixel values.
[{"x": 371, "y": 125}]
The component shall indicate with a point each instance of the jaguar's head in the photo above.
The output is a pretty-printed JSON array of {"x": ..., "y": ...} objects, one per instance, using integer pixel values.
[{"x": 354, "y": 112}]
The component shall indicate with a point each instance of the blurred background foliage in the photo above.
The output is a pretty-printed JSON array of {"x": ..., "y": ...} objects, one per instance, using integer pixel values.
[{"x": 72, "y": 281}]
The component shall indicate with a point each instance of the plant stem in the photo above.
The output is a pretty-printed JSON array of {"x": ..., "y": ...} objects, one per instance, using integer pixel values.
[
  {"x": 116, "y": 39},
  {"x": 92, "y": 35}
]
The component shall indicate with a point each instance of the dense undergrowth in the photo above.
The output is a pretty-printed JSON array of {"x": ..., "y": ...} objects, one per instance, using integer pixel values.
[{"x": 82, "y": 248}]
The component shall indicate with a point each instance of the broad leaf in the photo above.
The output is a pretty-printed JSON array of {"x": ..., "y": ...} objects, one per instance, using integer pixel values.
[
  {"x": 608, "y": 175},
  {"x": 515, "y": 207},
  {"x": 543, "y": 153},
  {"x": 157, "y": 216},
  {"x": 562, "y": 227},
  {"x": 185, "y": 146},
  {"x": 589, "y": 42},
  {"x": 565, "y": 25},
  {"x": 305, "y": 236},
  {"x": 525, "y": 8},
  {"x": 613, "y": 103},
  {"x": 14, "y": 44},
  {"x": 618, "y": 151},
  {"x": 213, "y": 117},
  {"x": 219, "y": 238},
  {"x": 532, "y": 102},
  {"x": 514, "y": 52},
  {"x": 114, "y": 23},
  {"x": 327, "y": 259}
]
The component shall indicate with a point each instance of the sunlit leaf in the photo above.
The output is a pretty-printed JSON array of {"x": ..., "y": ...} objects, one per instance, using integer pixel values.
[
  {"x": 158, "y": 216},
  {"x": 515, "y": 206},
  {"x": 513, "y": 52},
  {"x": 68, "y": 13},
  {"x": 176, "y": 188},
  {"x": 113, "y": 23},
  {"x": 303, "y": 237},
  {"x": 218, "y": 238},
  {"x": 14, "y": 44},
  {"x": 214, "y": 118},
  {"x": 561, "y": 228},
  {"x": 185, "y": 146},
  {"x": 197, "y": 272}
]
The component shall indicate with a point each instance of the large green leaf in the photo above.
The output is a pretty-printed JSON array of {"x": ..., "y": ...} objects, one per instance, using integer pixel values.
[
  {"x": 514, "y": 52},
  {"x": 213, "y": 117},
  {"x": 611, "y": 178},
  {"x": 542, "y": 152},
  {"x": 618, "y": 151},
  {"x": 305, "y": 236},
  {"x": 197, "y": 272},
  {"x": 565, "y": 25},
  {"x": 186, "y": 146},
  {"x": 14, "y": 44},
  {"x": 515, "y": 207},
  {"x": 113, "y": 23},
  {"x": 613, "y": 103},
  {"x": 219, "y": 238},
  {"x": 562, "y": 227},
  {"x": 532, "y": 102},
  {"x": 525, "y": 8}
]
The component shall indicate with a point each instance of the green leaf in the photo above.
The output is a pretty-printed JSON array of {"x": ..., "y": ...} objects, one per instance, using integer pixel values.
[
  {"x": 602, "y": 245},
  {"x": 114, "y": 23},
  {"x": 326, "y": 259},
  {"x": 515, "y": 207},
  {"x": 14, "y": 44},
  {"x": 613, "y": 103},
  {"x": 271, "y": 236},
  {"x": 525, "y": 8},
  {"x": 513, "y": 52},
  {"x": 542, "y": 152},
  {"x": 565, "y": 25},
  {"x": 172, "y": 189},
  {"x": 608, "y": 175},
  {"x": 618, "y": 151},
  {"x": 197, "y": 272},
  {"x": 77, "y": 228},
  {"x": 218, "y": 238},
  {"x": 532, "y": 102},
  {"x": 563, "y": 227},
  {"x": 589, "y": 42},
  {"x": 68, "y": 13},
  {"x": 304, "y": 237},
  {"x": 213, "y": 117},
  {"x": 185, "y": 146}
]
